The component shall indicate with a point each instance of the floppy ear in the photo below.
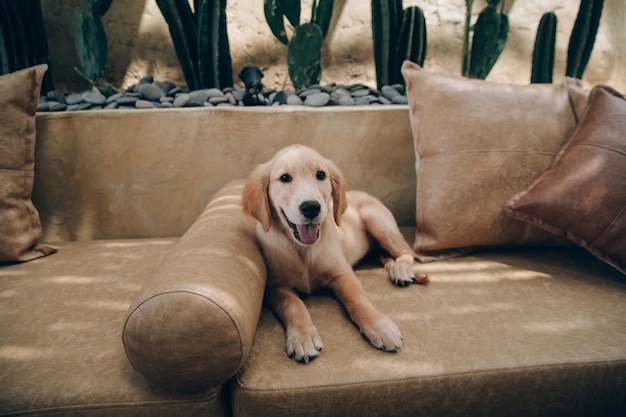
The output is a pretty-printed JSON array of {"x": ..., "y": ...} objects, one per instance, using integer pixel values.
[
  {"x": 340, "y": 185},
  {"x": 254, "y": 198}
]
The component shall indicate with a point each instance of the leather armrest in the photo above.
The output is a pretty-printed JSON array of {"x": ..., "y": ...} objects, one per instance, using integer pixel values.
[{"x": 192, "y": 325}]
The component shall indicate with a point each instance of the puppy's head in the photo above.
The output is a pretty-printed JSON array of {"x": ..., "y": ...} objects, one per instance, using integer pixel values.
[{"x": 295, "y": 190}]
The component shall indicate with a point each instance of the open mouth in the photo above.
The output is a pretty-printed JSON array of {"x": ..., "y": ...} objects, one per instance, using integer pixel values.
[{"x": 307, "y": 233}]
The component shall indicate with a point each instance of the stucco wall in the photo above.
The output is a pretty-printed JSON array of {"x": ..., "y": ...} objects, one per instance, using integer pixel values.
[{"x": 139, "y": 41}]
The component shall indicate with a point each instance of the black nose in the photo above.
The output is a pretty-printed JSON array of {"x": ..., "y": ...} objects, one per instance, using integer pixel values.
[{"x": 310, "y": 209}]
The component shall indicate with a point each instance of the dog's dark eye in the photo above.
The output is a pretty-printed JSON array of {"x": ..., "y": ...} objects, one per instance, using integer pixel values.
[
  {"x": 285, "y": 178},
  {"x": 321, "y": 175}
]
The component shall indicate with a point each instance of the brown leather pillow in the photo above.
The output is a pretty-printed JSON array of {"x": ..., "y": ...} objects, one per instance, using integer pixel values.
[
  {"x": 477, "y": 143},
  {"x": 582, "y": 196},
  {"x": 191, "y": 327},
  {"x": 20, "y": 227}
]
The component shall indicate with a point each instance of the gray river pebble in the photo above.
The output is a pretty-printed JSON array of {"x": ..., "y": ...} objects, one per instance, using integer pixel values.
[
  {"x": 150, "y": 94},
  {"x": 317, "y": 99}
]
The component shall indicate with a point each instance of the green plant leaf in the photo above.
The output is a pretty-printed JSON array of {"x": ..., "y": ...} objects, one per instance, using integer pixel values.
[
  {"x": 208, "y": 15},
  {"x": 411, "y": 41},
  {"x": 224, "y": 60},
  {"x": 91, "y": 44},
  {"x": 324, "y": 15},
  {"x": 304, "y": 55},
  {"x": 583, "y": 37},
  {"x": 100, "y": 7},
  {"x": 182, "y": 26},
  {"x": 465, "y": 64},
  {"x": 498, "y": 47},
  {"x": 487, "y": 32},
  {"x": 543, "y": 51},
  {"x": 291, "y": 10},
  {"x": 274, "y": 17},
  {"x": 384, "y": 33}
]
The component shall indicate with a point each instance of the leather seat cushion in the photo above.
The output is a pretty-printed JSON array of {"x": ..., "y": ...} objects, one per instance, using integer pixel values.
[{"x": 528, "y": 332}]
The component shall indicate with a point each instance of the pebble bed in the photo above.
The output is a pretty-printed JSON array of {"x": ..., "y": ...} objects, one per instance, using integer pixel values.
[{"x": 150, "y": 94}]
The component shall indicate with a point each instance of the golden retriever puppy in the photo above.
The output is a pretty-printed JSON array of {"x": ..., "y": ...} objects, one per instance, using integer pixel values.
[{"x": 312, "y": 232}]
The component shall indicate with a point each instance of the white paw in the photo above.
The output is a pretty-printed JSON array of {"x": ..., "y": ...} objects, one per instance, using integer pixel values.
[
  {"x": 303, "y": 345},
  {"x": 401, "y": 272},
  {"x": 383, "y": 334}
]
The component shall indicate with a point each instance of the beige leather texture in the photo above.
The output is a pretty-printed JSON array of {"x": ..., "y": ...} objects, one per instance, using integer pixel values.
[
  {"x": 526, "y": 332},
  {"x": 160, "y": 169},
  {"x": 477, "y": 144},
  {"x": 60, "y": 347},
  {"x": 192, "y": 325},
  {"x": 20, "y": 228}
]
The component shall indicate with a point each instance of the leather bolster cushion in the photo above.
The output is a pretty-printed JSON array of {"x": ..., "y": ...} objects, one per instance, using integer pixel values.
[{"x": 192, "y": 325}]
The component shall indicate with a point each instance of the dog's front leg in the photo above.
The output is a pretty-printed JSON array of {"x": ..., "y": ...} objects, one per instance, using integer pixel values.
[
  {"x": 303, "y": 343},
  {"x": 378, "y": 328}
]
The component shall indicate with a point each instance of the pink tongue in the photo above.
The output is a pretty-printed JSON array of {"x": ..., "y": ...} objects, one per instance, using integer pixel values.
[{"x": 308, "y": 232}]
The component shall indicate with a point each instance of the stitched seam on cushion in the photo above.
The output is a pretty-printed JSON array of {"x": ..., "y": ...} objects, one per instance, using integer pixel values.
[
  {"x": 489, "y": 150},
  {"x": 605, "y": 231},
  {"x": 20, "y": 171},
  {"x": 112, "y": 406},
  {"x": 598, "y": 145},
  {"x": 572, "y": 104},
  {"x": 225, "y": 310},
  {"x": 572, "y": 365},
  {"x": 526, "y": 227},
  {"x": 589, "y": 247}
]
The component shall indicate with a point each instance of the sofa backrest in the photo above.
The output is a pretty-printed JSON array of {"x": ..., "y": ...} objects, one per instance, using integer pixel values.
[{"x": 149, "y": 173}]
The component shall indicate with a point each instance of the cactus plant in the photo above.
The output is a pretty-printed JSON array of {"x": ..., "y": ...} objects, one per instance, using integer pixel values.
[
  {"x": 201, "y": 41},
  {"x": 90, "y": 39},
  {"x": 304, "y": 55},
  {"x": 23, "y": 39},
  {"x": 583, "y": 37},
  {"x": 304, "y": 48},
  {"x": 398, "y": 35},
  {"x": 543, "y": 52},
  {"x": 490, "y": 34},
  {"x": 411, "y": 40}
]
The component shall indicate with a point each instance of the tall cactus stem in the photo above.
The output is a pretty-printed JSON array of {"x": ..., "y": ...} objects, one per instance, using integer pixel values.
[
  {"x": 387, "y": 18},
  {"x": 100, "y": 7},
  {"x": 466, "y": 38},
  {"x": 381, "y": 39},
  {"x": 182, "y": 27},
  {"x": 225, "y": 63},
  {"x": 291, "y": 10},
  {"x": 209, "y": 15},
  {"x": 323, "y": 15},
  {"x": 411, "y": 41},
  {"x": 23, "y": 39},
  {"x": 490, "y": 35},
  {"x": 543, "y": 52},
  {"x": 583, "y": 37},
  {"x": 274, "y": 18},
  {"x": 200, "y": 40},
  {"x": 91, "y": 43}
]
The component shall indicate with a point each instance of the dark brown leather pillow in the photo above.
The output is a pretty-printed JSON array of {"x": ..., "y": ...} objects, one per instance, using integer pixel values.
[
  {"x": 582, "y": 196},
  {"x": 20, "y": 227}
]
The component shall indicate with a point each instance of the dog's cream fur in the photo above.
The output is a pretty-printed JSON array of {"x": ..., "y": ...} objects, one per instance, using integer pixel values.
[{"x": 313, "y": 245}]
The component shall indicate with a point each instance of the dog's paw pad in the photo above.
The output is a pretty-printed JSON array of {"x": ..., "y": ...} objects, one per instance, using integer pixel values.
[
  {"x": 384, "y": 335},
  {"x": 401, "y": 273},
  {"x": 303, "y": 346},
  {"x": 402, "y": 282}
]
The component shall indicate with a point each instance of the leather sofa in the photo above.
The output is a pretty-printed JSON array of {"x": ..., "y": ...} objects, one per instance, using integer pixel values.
[{"x": 152, "y": 303}]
